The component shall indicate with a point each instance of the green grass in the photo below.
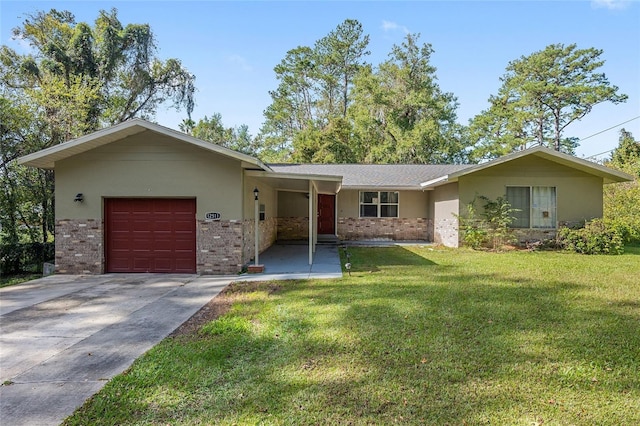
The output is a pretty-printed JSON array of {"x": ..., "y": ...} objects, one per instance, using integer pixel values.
[
  {"x": 17, "y": 279},
  {"x": 414, "y": 336}
]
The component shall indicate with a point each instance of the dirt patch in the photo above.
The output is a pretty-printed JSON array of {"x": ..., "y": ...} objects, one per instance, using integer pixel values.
[{"x": 220, "y": 305}]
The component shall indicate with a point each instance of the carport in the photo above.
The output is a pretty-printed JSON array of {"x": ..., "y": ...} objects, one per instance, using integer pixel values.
[{"x": 309, "y": 185}]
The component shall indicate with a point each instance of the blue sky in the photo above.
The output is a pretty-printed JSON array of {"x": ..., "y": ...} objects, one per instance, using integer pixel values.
[{"x": 232, "y": 47}]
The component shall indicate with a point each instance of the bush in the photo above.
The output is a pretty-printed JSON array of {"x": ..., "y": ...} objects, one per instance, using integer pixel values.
[
  {"x": 596, "y": 237},
  {"x": 492, "y": 229},
  {"x": 629, "y": 229},
  {"x": 24, "y": 257},
  {"x": 473, "y": 230}
]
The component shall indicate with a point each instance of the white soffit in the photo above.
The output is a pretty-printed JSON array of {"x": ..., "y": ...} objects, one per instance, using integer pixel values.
[{"x": 297, "y": 182}]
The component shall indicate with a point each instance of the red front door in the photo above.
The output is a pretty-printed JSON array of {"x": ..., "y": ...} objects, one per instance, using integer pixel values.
[
  {"x": 326, "y": 214},
  {"x": 150, "y": 235}
]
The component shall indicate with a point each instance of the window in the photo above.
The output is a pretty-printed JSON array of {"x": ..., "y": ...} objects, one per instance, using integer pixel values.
[
  {"x": 262, "y": 212},
  {"x": 379, "y": 204},
  {"x": 536, "y": 205}
]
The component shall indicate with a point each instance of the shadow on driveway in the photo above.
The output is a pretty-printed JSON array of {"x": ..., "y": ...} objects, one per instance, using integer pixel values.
[{"x": 63, "y": 337}]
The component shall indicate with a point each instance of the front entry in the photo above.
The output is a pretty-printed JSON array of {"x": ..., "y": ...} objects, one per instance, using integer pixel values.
[{"x": 326, "y": 214}]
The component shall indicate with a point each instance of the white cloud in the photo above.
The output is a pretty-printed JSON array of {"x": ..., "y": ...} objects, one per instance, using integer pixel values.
[
  {"x": 21, "y": 45},
  {"x": 239, "y": 61},
  {"x": 610, "y": 4},
  {"x": 392, "y": 26}
]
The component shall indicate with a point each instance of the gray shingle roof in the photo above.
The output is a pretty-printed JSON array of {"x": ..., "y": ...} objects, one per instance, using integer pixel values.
[{"x": 396, "y": 176}]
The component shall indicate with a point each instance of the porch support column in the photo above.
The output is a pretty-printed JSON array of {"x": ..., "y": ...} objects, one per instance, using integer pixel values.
[{"x": 310, "y": 222}]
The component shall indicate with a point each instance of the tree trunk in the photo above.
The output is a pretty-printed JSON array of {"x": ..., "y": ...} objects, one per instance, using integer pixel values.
[{"x": 557, "y": 130}]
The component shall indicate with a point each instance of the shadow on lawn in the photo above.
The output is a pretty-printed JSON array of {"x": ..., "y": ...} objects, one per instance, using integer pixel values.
[
  {"x": 450, "y": 347},
  {"x": 374, "y": 258},
  {"x": 460, "y": 347}
]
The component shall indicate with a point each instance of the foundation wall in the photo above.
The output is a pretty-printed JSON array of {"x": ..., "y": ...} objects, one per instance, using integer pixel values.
[
  {"x": 293, "y": 228},
  {"x": 396, "y": 229}
]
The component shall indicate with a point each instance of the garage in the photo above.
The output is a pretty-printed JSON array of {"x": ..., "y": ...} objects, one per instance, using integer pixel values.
[{"x": 150, "y": 235}]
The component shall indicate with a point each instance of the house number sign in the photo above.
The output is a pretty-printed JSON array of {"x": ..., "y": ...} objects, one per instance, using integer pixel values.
[{"x": 212, "y": 216}]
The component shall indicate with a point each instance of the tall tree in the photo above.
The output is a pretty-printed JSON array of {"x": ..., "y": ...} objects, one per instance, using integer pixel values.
[
  {"x": 314, "y": 89},
  {"x": 119, "y": 61},
  {"x": 78, "y": 78},
  {"x": 541, "y": 94},
  {"x": 400, "y": 113},
  {"x": 339, "y": 58}
]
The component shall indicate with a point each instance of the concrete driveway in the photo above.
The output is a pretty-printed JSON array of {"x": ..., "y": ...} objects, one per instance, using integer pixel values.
[{"x": 63, "y": 337}]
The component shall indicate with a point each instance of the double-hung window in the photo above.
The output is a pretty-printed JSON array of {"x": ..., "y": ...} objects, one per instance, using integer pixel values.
[
  {"x": 536, "y": 206},
  {"x": 379, "y": 203}
]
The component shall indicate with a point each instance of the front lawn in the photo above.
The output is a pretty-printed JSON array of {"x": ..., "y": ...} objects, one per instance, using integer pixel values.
[{"x": 415, "y": 336}]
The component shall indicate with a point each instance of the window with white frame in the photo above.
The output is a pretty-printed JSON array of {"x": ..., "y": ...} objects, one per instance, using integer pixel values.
[
  {"x": 379, "y": 203},
  {"x": 536, "y": 206}
]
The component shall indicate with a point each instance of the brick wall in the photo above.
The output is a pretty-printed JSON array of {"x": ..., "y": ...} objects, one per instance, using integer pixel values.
[
  {"x": 268, "y": 232},
  {"x": 387, "y": 228},
  {"x": 293, "y": 228},
  {"x": 219, "y": 247},
  {"x": 79, "y": 246}
]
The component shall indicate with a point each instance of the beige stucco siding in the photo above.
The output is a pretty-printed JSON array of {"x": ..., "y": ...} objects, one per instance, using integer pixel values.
[
  {"x": 412, "y": 204},
  {"x": 266, "y": 195},
  {"x": 293, "y": 204},
  {"x": 578, "y": 194},
  {"x": 148, "y": 165}
]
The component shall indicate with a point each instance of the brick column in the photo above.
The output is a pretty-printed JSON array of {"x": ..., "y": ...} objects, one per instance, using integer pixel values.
[
  {"x": 219, "y": 247},
  {"x": 79, "y": 246}
]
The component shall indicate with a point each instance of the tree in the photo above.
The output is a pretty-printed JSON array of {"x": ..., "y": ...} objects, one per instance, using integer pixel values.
[
  {"x": 329, "y": 145},
  {"x": 339, "y": 57},
  {"x": 622, "y": 200},
  {"x": 400, "y": 113},
  {"x": 119, "y": 62},
  {"x": 213, "y": 130},
  {"x": 541, "y": 94},
  {"x": 314, "y": 89},
  {"x": 77, "y": 79},
  {"x": 627, "y": 154}
]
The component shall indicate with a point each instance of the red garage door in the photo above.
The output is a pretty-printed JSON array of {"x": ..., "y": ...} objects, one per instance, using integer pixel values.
[{"x": 150, "y": 235}]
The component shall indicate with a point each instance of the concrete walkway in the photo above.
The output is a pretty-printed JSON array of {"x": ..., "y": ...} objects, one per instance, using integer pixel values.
[
  {"x": 290, "y": 261},
  {"x": 63, "y": 337}
]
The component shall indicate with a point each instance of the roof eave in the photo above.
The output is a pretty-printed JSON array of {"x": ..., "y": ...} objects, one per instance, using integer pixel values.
[
  {"x": 442, "y": 180},
  {"x": 383, "y": 187},
  {"x": 46, "y": 158},
  {"x": 608, "y": 175}
]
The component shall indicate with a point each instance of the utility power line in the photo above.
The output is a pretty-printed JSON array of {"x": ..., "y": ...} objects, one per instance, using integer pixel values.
[
  {"x": 606, "y": 130},
  {"x": 610, "y": 128}
]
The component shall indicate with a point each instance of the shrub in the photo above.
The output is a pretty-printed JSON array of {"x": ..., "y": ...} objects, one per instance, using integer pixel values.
[
  {"x": 596, "y": 237},
  {"x": 492, "y": 229},
  {"x": 499, "y": 216},
  {"x": 24, "y": 257},
  {"x": 473, "y": 229}
]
